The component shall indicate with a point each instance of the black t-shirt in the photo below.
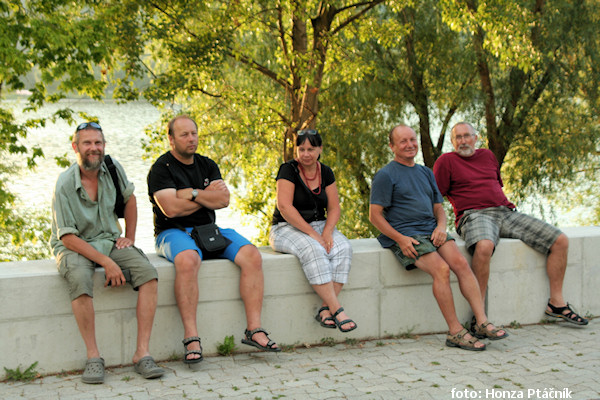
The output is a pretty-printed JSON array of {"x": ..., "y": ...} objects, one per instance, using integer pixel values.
[
  {"x": 310, "y": 205},
  {"x": 169, "y": 173}
]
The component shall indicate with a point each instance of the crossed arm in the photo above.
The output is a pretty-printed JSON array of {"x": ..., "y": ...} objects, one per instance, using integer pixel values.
[{"x": 178, "y": 203}]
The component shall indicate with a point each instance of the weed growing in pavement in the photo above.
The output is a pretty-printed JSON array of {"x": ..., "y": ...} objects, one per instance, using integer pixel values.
[
  {"x": 17, "y": 375},
  {"x": 227, "y": 347}
]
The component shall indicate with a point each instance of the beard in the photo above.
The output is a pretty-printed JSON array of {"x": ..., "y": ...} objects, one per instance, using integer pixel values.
[
  {"x": 465, "y": 151},
  {"x": 87, "y": 164}
]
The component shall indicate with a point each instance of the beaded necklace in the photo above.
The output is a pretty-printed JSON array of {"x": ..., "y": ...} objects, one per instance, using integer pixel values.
[{"x": 317, "y": 174}]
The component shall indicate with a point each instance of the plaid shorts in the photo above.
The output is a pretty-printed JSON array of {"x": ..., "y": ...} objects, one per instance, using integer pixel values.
[
  {"x": 502, "y": 222},
  {"x": 319, "y": 266},
  {"x": 425, "y": 246}
]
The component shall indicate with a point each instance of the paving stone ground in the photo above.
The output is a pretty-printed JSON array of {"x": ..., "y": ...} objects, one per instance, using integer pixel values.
[{"x": 535, "y": 362}]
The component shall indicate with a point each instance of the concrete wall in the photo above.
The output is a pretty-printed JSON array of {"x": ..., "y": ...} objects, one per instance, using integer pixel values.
[{"x": 36, "y": 323}]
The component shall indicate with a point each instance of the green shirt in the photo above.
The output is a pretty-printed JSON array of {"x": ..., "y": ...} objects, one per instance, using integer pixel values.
[{"x": 73, "y": 212}]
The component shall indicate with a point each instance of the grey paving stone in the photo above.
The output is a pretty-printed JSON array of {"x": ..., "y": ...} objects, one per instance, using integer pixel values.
[{"x": 533, "y": 357}]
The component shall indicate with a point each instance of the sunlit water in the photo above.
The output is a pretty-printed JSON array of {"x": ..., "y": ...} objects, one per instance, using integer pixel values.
[{"x": 123, "y": 126}]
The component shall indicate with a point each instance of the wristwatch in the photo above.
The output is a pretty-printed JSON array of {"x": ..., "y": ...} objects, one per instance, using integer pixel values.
[{"x": 194, "y": 194}]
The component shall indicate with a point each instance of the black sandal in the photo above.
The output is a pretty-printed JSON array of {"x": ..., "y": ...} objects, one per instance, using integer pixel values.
[
  {"x": 322, "y": 321},
  {"x": 571, "y": 316},
  {"x": 187, "y": 341},
  {"x": 344, "y": 322},
  {"x": 250, "y": 342}
]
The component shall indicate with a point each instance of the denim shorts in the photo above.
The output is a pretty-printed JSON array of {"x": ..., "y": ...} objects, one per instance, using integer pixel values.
[
  {"x": 425, "y": 246},
  {"x": 171, "y": 242}
]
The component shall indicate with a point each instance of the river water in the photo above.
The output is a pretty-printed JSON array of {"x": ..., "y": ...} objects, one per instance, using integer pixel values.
[{"x": 123, "y": 126}]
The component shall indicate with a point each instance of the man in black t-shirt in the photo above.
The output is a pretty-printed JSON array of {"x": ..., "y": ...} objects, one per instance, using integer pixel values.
[{"x": 185, "y": 188}]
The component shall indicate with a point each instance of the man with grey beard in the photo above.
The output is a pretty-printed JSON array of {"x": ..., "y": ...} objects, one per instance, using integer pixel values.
[
  {"x": 470, "y": 179},
  {"x": 86, "y": 235}
]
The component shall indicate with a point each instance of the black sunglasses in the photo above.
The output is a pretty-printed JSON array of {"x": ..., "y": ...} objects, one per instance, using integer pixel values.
[
  {"x": 85, "y": 125},
  {"x": 307, "y": 132}
]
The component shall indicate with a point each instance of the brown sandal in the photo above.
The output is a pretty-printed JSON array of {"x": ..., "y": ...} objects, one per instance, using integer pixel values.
[
  {"x": 460, "y": 341},
  {"x": 482, "y": 332}
]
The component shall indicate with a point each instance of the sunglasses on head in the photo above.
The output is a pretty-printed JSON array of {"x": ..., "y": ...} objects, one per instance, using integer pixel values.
[
  {"x": 307, "y": 132},
  {"x": 88, "y": 125}
]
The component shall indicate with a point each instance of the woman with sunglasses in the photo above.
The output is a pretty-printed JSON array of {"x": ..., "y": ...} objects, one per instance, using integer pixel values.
[{"x": 307, "y": 211}]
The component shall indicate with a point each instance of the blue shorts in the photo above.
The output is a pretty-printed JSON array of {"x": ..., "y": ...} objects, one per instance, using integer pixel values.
[{"x": 171, "y": 242}]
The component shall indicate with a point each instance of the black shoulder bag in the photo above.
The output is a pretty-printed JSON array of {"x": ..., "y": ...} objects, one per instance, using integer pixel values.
[
  {"x": 119, "y": 203},
  {"x": 209, "y": 239}
]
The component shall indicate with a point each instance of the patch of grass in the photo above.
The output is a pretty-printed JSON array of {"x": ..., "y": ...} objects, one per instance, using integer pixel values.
[
  {"x": 227, "y": 347},
  {"x": 289, "y": 347},
  {"x": 126, "y": 378},
  {"x": 435, "y": 363},
  {"x": 328, "y": 341},
  {"x": 515, "y": 325},
  {"x": 17, "y": 375},
  {"x": 174, "y": 357},
  {"x": 313, "y": 369},
  {"x": 497, "y": 387},
  {"x": 406, "y": 334},
  {"x": 351, "y": 341},
  {"x": 379, "y": 344}
]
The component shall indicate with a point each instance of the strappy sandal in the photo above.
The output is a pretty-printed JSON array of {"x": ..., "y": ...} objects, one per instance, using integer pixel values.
[
  {"x": 344, "y": 322},
  {"x": 187, "y": 341},
  {"x": 460, "y": 341},
  {"x": 250, "y": 342},
  {"x": 571, "y": 316},
  {"x": 482, "y": 332},
  {"x": 322, "y": 321}
]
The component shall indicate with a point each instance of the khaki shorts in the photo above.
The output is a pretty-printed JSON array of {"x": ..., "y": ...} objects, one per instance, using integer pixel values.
[{"x": 79, "y": 271}]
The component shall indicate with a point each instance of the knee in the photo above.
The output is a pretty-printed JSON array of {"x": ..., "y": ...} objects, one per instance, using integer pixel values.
[
  {"x": 151, "y": 285},
  {"x": 187, "y": 263},
  {"x": 484, "y": 249},
  {"x": 441, "y": 273},
  {"x": 561, "y": 244},
  {"x": 249, "y": 259}
]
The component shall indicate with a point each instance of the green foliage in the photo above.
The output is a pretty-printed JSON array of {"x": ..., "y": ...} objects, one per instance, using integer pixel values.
[
  {"x": 227, "y": 347},
  {"x": 48, "y": 50},
  {"x": 23, "y": 376},
  {"x": 24, "y": 235},
  {"x": 251, "y": 72}
]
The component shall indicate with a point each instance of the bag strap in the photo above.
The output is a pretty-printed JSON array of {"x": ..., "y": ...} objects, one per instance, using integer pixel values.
[
  {"x": 294, "y": 164},
  {"x": 120, "y": 202}
]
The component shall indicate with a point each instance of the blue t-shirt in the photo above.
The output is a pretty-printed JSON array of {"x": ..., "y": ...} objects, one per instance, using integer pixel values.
[{"x": 407, "y": 195}]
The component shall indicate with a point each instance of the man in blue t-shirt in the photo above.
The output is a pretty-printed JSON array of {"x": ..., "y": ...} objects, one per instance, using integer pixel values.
[{"x": 406, "y": 207}]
